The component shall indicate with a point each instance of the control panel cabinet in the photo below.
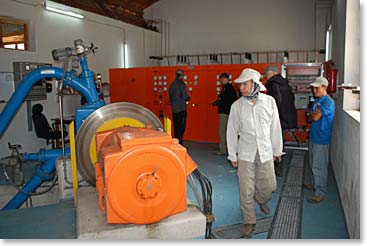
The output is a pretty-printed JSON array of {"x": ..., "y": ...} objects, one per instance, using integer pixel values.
[
  {"x": 149, "y": 87},
  {"x": 21, "y": 69}
]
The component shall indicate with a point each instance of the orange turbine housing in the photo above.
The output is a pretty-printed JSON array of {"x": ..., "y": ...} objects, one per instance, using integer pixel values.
[{"x": 141, "y": 175}]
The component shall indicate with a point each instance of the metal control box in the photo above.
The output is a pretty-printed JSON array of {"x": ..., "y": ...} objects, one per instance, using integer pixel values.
[
  {"x": 300, "y": 76},
  {"x": 301, "y": 100},
  {"x": 21, "y": 69},
  {"x": 6, "y": 86}
]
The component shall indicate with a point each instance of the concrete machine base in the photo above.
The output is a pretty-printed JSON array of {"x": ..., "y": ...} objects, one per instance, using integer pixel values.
[{"x": 91, "y": 223}]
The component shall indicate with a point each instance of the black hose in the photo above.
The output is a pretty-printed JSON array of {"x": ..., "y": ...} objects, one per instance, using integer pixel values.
[
  {"x": 26, "y": 192},
  {"x": 206, "y": 191}
]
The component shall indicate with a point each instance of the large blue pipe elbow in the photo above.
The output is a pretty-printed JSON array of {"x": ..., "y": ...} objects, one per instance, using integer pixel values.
[
  {"x": 33, "y": 77},
  {"x": 21, "y": 92},
  {"x": 84, "y": 85},
  {"x": 48, "y": 157}
]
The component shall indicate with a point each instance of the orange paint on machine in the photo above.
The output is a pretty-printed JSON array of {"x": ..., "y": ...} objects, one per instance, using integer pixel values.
[{"x": 141, "y": 175}]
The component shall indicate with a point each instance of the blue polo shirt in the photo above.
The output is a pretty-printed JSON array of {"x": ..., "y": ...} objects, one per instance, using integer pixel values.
[{"x": 320, "y": 132}]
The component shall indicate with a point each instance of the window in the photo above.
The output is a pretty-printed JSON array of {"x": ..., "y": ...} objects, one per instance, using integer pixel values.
[{"x": 14, "y": 34}]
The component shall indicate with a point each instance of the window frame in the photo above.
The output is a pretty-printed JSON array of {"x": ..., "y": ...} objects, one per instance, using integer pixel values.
[{"x": 25, "y": 32}]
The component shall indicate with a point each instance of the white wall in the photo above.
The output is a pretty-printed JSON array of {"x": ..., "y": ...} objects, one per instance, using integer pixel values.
[
  {"x": 345, "y": 144},
  {"x": 352, "y": 44},
  {"x": 323, "y": 20},
  {"x": 346, "y": 48},
  {"x": 206, "y": 26},
  {"x": 345, "y": 158},
  {"x": 338, "y": 42},
  {"x": 51, "y": 31}
]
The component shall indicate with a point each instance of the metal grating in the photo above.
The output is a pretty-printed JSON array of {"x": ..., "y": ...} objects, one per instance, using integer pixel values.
[
  {"x": 288, "y": 219},
  {"x": 288, "y": 215},
  {"x": 234, "y": 231},
  {"x": 292, "y": 191},
  {"x": 298, "y": 152},
  {"x": 294, "y": 176},
  {"x": 297, "y": 161}
]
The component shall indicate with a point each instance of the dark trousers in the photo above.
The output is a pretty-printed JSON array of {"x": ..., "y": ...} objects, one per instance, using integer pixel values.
[
  {"x": 179, "y": 124},
  {"x": 278, "y": 166}
]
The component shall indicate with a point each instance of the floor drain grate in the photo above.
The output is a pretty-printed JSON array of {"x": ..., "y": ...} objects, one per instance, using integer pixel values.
[
  {"x": 294, "y": 176},
  {"x": 292, "y": 191},
  {"x": 296, "y": 161},
  {"x": 234, "y": 231},
  {"x": 287, "y": 220}
]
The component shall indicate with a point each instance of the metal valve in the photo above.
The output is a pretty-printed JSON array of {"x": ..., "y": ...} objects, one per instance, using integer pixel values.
[{"x": 78, "y": 50}]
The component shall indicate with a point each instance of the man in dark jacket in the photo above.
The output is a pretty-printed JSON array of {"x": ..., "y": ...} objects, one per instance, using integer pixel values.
[
  {"x": 178, "y": 98},
  {"x": 224, "y": 102},
  {"x": 278, "y": 87}
]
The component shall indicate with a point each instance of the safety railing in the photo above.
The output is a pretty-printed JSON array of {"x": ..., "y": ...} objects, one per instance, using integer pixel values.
[{"x": 252, "y": 57}]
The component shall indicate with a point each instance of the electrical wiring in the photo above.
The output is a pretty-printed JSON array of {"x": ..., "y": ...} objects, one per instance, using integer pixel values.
[
  {"x": 12, "y": 183},
  {"x": 191, "y": 181},
  {"x": 30, "y": 193},
  {"x": 206, "y": 192}
]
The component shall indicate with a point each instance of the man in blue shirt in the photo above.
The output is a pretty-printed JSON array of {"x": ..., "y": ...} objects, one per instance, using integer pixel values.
[{"x": 322, "y": 116}]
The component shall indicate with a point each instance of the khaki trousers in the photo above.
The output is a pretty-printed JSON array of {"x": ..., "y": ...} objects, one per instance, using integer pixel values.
[
  {"x": 256, "y": 180},
  {"x": 223, "y": 120}
]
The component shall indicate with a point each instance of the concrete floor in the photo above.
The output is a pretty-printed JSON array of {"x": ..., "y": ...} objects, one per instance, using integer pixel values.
[
  {"x": 56, "y": 221},
  {"x": 324, "y": 220},
  {"x": 320, "y": 221}
]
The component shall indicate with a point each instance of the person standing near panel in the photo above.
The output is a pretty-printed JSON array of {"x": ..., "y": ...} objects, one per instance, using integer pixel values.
[
  {"x": 178, "y": 98},
  {"x": 279, "y": 88},
  {"x": 224, "y": 102},
  {"x": 322, "y": 113}
]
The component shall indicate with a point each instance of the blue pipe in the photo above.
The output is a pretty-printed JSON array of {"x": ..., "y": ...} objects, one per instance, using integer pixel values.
[
  {"x": 88, "y": 76},
  {"x": 48, "y": 157},
  {"x": 22, "y": 90},
  {"x": 84, "y": 85},
  {"x": 44, "y": 155},
  {"x": 88, "y": 91}
]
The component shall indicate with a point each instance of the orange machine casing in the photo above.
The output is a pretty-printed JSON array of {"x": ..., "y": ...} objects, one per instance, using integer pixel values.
[{"x": 141, "y": 175}]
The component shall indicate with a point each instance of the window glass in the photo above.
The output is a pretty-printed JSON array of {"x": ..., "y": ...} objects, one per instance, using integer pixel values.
[{"x": 13, "y": 34}]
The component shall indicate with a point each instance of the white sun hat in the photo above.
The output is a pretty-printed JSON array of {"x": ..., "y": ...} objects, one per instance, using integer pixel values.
[
  {"x": 250, "y": 74},
  {"x": 319, "y": 81}
]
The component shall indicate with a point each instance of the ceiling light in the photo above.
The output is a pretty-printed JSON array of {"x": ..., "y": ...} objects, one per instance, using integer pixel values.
[{"x": 64, "y": 12}]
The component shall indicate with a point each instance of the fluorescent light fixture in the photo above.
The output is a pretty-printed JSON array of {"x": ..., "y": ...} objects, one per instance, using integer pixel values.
[
  {"x": 327, "y": 45},
  {"x": 329, "y": 35},
  {"x": 126, "y": 56},
  {"x": 64, "y": 12},
  {"x": 122, "y": 53}
]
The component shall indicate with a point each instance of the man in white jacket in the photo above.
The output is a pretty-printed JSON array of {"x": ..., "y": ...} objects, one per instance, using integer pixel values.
[{"x": 254, "y": 139}]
